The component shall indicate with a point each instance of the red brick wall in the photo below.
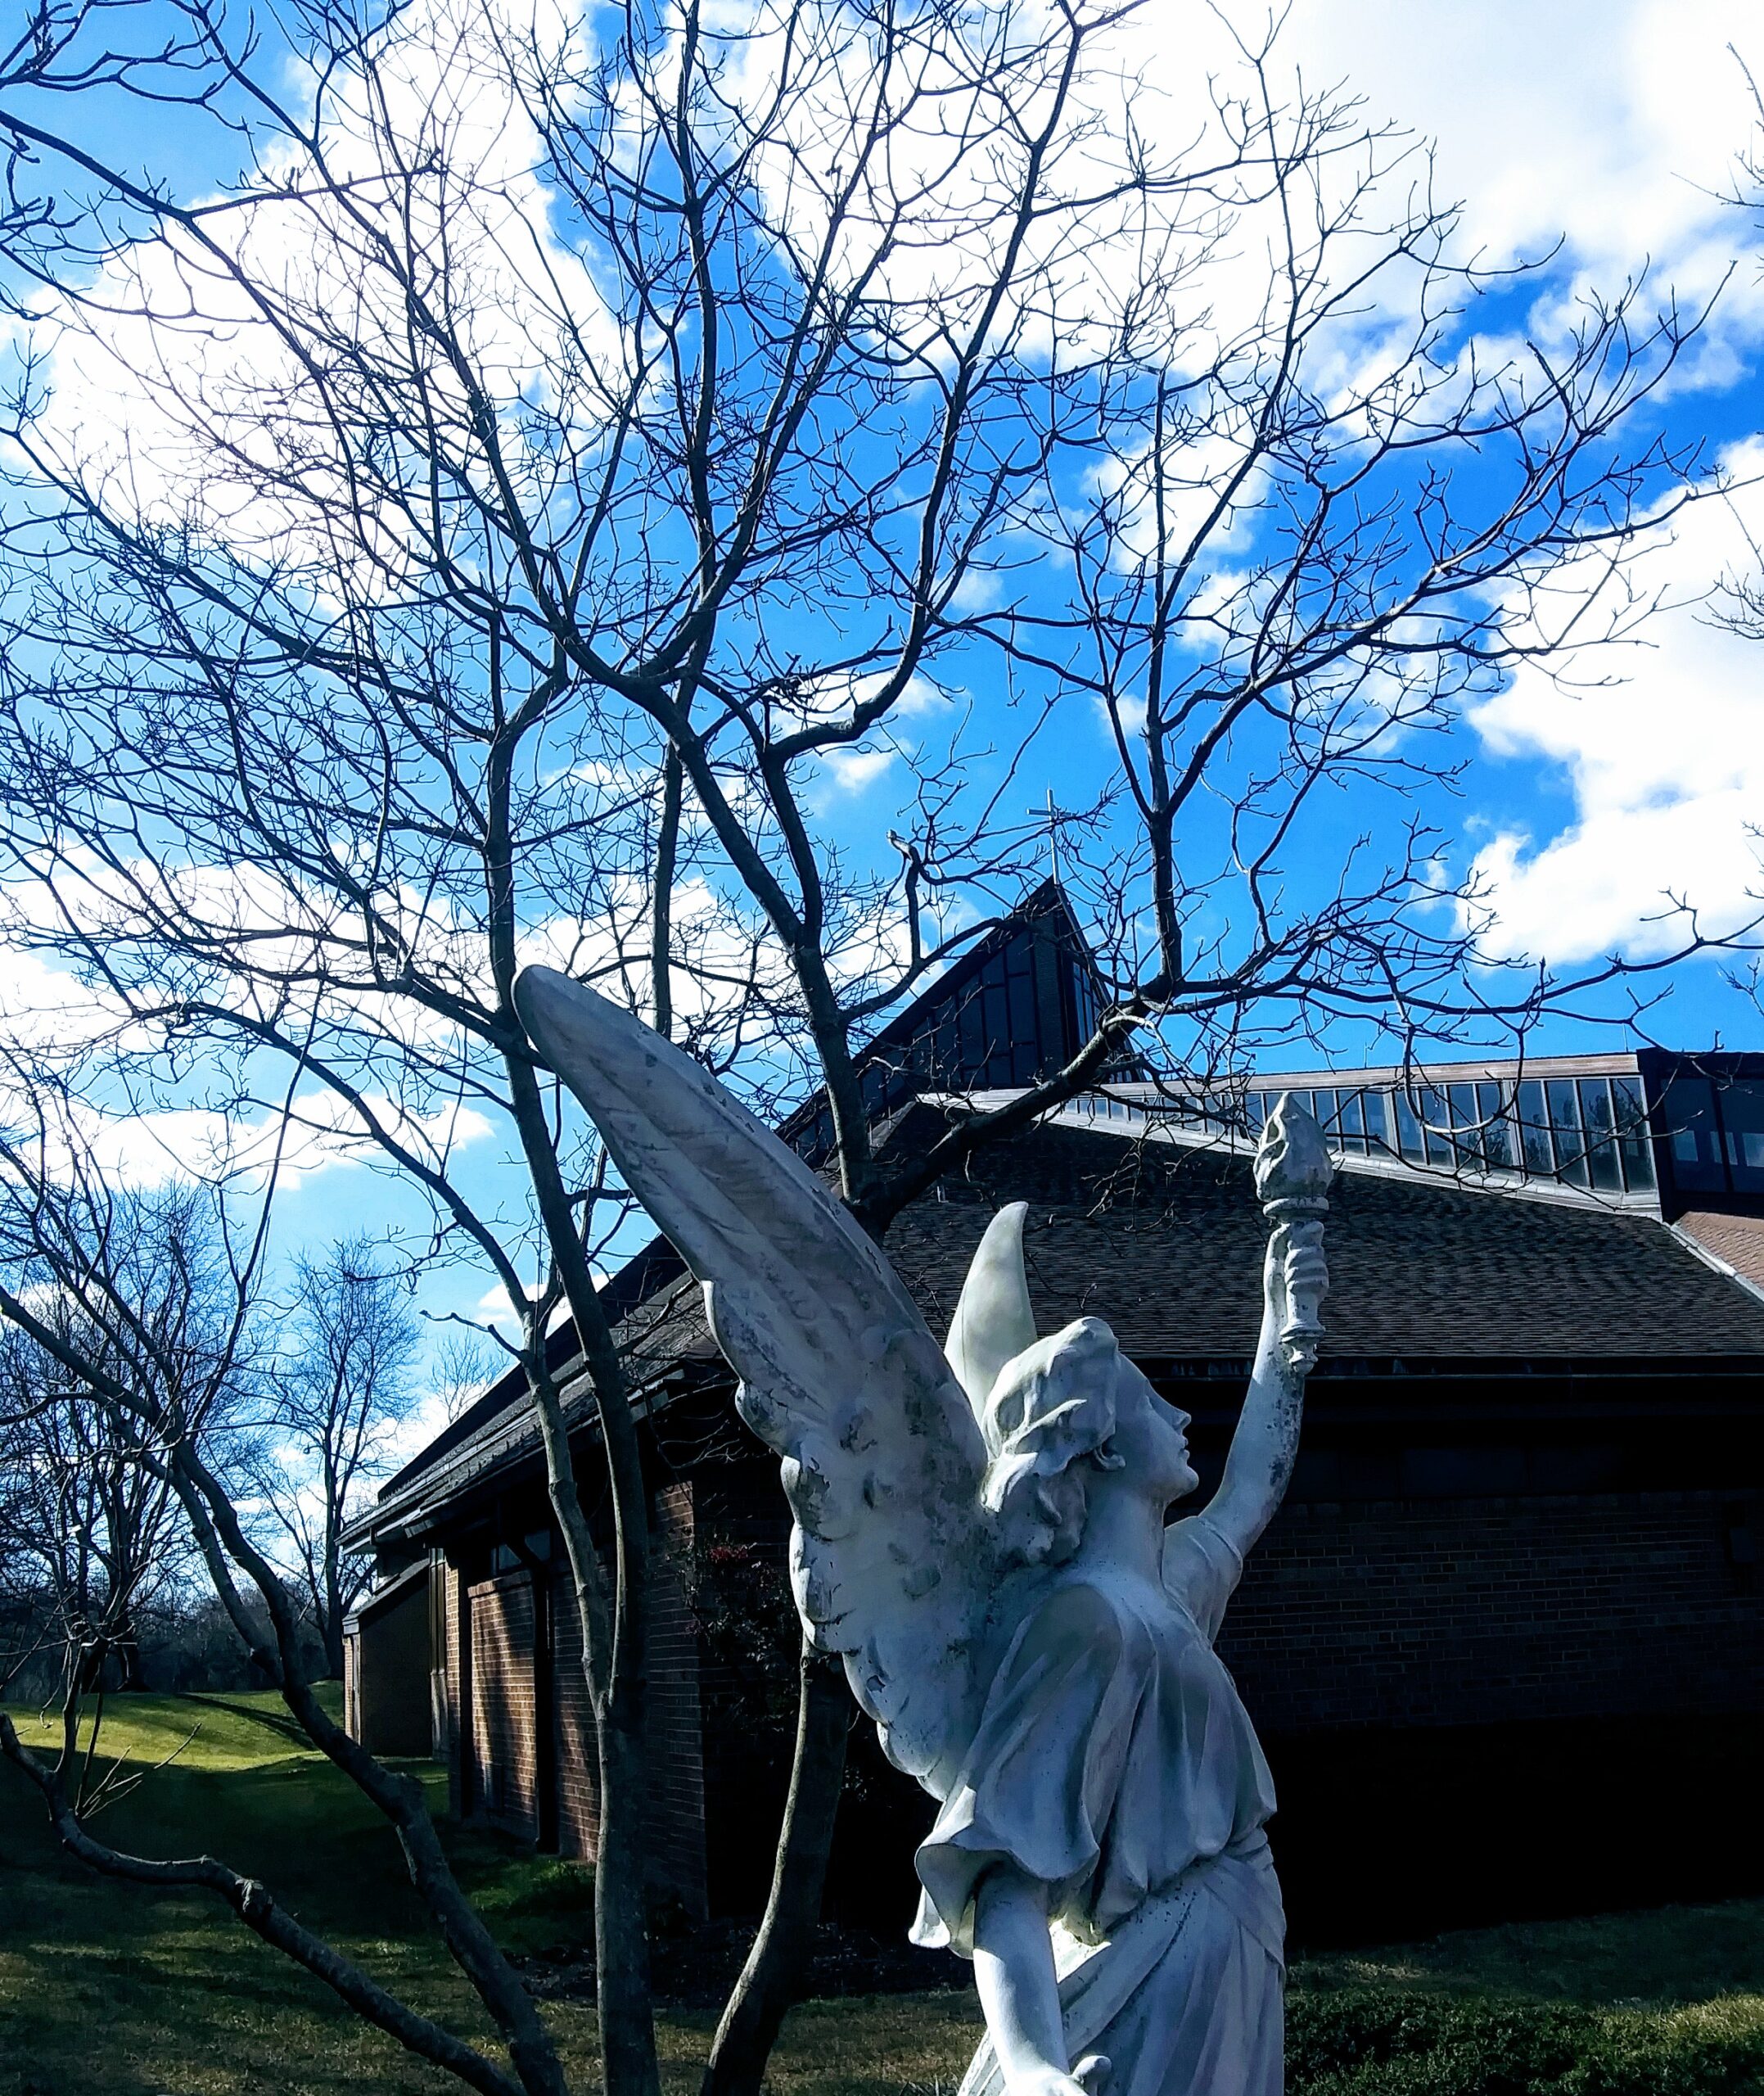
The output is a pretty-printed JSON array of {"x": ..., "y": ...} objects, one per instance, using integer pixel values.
[
  {"x": 454, "y": 1590},
  {"x": 504, "y": 1741},
  {"x": 676, "y": 1763},
  {"x": 676, "y": 1731},
  {"x": 573, "y": 1743},
  {"x": 1482, "y": 1611},
  {"x": 352, "y": 1683},
  {"x": 494, "y": 1769}
]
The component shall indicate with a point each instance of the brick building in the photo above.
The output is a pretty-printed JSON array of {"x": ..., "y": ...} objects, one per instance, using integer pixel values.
[{"x": 1511, "y": 1594}]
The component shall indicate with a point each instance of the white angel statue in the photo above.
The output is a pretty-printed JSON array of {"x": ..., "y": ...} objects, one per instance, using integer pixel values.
[{"x": 981, "y": 1533}]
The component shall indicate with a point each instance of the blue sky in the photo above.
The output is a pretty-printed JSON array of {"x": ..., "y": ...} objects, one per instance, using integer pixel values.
[
  {"x": 1601, "y": 137},
  {"x": 1603, "y": 134}
]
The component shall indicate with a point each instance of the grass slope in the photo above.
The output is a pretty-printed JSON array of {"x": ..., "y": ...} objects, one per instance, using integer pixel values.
[
  {"x": 237, "y": 1730},
  {"x": 120, "y": 1991}
]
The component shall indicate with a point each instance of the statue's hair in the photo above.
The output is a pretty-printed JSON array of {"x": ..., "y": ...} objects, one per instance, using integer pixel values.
[{"x": 1052, "y": 1407}]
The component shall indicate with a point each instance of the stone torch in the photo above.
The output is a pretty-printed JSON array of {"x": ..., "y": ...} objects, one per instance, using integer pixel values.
[{"x": 1292, "y": 1174}]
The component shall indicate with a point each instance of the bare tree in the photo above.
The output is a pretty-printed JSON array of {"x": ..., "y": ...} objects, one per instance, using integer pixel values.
[
  {"x": 59, "y": 1243},
  {"x": 87, "y": 1522},
  {"x": 465, "y": 1365},
  {"x": 87, "y": 1537},
  {"x": 502, "y": 545},
  {"x": 340, "y": 1385}
]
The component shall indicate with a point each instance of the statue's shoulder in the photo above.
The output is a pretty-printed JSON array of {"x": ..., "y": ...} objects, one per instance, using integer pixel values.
[
  {"x": 1094, "y": 1610},
  {"x": 1202, "y": 1568}
]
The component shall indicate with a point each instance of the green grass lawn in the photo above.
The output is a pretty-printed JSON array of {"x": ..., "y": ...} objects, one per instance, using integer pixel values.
[{"x": 113, "y": 1991}]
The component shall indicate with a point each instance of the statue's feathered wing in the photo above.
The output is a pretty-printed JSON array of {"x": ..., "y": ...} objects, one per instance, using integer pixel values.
[{"x": 891, "y": 1557}]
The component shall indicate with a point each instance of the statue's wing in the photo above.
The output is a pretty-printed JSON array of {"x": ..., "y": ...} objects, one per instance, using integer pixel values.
[
  {"x": 882, "y": 1456},
  {"x": 994, "y": 1321}
]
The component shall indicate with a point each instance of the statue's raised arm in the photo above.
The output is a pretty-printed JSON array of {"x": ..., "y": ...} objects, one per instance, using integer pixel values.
[{"x": 1293, "y": 1171}]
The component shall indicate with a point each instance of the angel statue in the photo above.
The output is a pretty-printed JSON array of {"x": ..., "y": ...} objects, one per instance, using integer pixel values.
[{"x": 981, "y": 1534}]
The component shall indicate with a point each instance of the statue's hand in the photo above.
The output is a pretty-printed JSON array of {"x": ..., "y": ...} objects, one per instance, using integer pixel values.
[
  {"x": 1093, "y": 2074},
  {"x": 1295, "y": 1274},
  {"x": 1089, "y": 2077}
]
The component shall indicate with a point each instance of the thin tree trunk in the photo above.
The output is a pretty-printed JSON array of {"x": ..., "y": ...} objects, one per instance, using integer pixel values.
[
  {"x": 125, "y": 1642},
  {"x": 621, "y": 1933},
  {"x": 333, "y": 1609},
  {"x": 772, "y": 1980},
  {"x": 661, "y": 927},
  {"x": 618, "y": 1673},
  {"x": 619, "y": 1683}
]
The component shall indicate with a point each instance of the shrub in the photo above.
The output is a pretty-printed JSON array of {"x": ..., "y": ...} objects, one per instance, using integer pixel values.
[{"x": 1373, "y": 2042}]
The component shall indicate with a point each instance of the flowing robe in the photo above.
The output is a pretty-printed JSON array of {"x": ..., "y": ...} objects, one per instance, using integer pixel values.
[{"x": 1115, "y": 1761}]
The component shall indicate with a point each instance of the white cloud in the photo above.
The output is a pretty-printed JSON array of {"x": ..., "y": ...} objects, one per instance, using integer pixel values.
[
  {"x": 318, "y": 1133},
  {"x": 496, "y": 1307},
  {"x": 82, "y": 1032},
  {"x": 1666, "y": 765},
  {"x": 44, "y": 1007},
  {"x": 854, "y": 769},
  {"x": 432, "y": 1412},
  {"x": 1606, "y": 123},
  {"x": 174, "y": 391},
  {"x": 922, "y": 696},
  {"x": 1608, "y": 126}
]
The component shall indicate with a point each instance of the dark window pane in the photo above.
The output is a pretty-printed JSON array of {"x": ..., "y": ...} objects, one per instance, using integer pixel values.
[
  {"x": 1381, "y": 1127},
  {"x": 1687, "y": 1116},
  {"x": 1051, "y": 1046},
  {"x": 997, "y": 1021},
  {"x": 1258, "y": 1103},
  {"x": 1408, "y": 1127},
  {"x": 1741, "y": 1106},
  {"x": 1565, "y": 1125},
  {"x": 1020, "y": 996},
  {"x": 1497, "y": 1130},
  {"x": 1083, "y": 1003},
  {"x": 1601, "y": 1148},
  {"x": 1351, "y": 1121},
  {"x": 1633, "y": 1127},
  {"x": 973, "y": 1039},
  {"x": 1464, "y": 1118},
  {"x": 1436, "y": 1123},
  {"x": 1534, "y": 1132}
]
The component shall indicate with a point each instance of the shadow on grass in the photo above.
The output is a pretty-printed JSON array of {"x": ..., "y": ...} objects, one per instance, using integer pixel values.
[
  {"x": 281, "y": 1721},
  {"x": 120, "y": 1990},
  {"x": 1654, "y": 1958}
]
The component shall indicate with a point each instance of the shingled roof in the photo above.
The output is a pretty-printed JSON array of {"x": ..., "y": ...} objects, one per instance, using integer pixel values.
[{"x": 1165, "y": 1240}]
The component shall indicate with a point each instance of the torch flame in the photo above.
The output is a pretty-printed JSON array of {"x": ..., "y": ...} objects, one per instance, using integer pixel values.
[{"x": 1293, "y": 1160}]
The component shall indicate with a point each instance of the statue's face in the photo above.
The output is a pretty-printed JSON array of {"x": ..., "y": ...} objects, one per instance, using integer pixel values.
[{"x": 1151, "y": 1438}]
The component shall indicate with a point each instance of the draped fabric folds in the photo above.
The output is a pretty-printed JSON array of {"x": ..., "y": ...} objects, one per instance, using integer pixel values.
[{"x": 1115, "y": 1762}]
